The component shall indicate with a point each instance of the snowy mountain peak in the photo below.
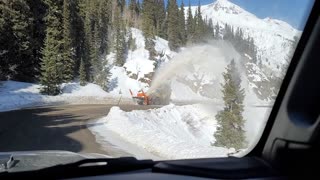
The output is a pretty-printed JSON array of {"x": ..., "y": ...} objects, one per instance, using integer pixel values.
[
  {"x": 272, "y": 37},
  {"x": 227, "y": 7}
]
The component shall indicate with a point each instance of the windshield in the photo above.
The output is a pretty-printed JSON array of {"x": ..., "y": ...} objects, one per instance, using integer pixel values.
[{"x": 145, "y": 78}]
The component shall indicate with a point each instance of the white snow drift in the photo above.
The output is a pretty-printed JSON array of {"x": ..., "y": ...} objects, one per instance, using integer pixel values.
[
  {"x": 16, "y": 95},
  {"x": 170, "y": 132}
]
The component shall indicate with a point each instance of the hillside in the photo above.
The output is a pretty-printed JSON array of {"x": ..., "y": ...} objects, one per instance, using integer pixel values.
[
  {"x": 138, "y": 69},
  {"x": 272, "y": 37}
]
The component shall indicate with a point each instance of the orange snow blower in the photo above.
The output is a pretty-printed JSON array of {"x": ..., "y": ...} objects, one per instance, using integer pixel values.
[
  {"x": 141, "y": 98},
  {"x": 159, "y": 96}
]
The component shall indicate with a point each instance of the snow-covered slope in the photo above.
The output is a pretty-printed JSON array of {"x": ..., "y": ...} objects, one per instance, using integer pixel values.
[
  {"x": 138, "y": 70},
  {"x": 272, "y": 37},
  {"x": 170, "y": 132}
]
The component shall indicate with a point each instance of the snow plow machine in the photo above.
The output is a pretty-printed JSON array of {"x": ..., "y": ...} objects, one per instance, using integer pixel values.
[{"x": 160, "y": 96}]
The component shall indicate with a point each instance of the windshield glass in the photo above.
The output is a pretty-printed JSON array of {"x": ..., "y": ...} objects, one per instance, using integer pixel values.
[{"x": 152, "y": 79}]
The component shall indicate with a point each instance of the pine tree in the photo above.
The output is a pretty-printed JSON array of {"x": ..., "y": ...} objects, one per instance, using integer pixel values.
[
  {"x": 122, "y": 5},
  {"x": 138, "y": 8},
  {"x": 173, "y": 21},
  {"x": 16, "y": 21},
  {"x": 89, "y": 36},
  {"x": 230, "y": 133},
  {"x": 83, "y": 41},
  {"x": 92, "y": 27},
  {"x": 104, "y": 19},
  {"x": 199, "y": 26},
  {"x": 132, "y": 7},
  {"x": 148, "y": 26},
  {"x": 210, "y": 29},
  {"x": 133, "y": 13},
  {"x": 6, "y": 45},
  {"x": 38, "y": 10},
  {"x": 95, "y": 58},
  {"x": 120, "y": 43},
  {"x": 103, "y": 78},
  {"x": 78, "y": 37},
  {"x": 68, "y": 61},
  {"x": 190, "y": 24},
  {"x": 182, "y": 25},
  {"x": 52, "y": 62},
  {"x": 217, "y": 31},
  {"x": 83, "y": 74},
  {"x": 160, "y": 18}
]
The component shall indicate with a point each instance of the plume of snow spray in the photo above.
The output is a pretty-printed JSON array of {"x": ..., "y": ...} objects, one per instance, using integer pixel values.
[{"x": 212, "y": 57}]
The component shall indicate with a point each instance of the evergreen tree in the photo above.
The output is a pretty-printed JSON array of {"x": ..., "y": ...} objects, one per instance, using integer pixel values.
[
  {"x": 104, "y": 21},
  {"x": 173, "y": 21},
  {"x": 17, "y": 59},
  {"x": 82, "y": 40},
  {"x": 38, "y": 10},
  {"x": 6, "y": 36},
  {"x": 182, "y": 25},
  {"x": 217, "y": 31},
  {"x": 82, "y": 73},
  {"x": 88, "y": 29},
  {"x": 122, "y": 5},
  {"x": 32, "y": 32},
  {"x": 94, "y": 50},
  {"x": 160, "y": 18},
  {"x": 210, "y": 28},
  {"x": 103, "y": 78},
  {"x": 230, "y": 133},
  {"x": 148, "y": 26},
  {"x": 133, "y": 13},
  {"x": 92, "y": 27},
  {"x": 120, "y": 43},
  {"x": 138, "y": 8},
  {"x": 132, "y": 7},
  {"x": 52, "y": 63},
  {"x": 199, "y": 26},
  {"x": 68, "y": 62},
  {"x": 190, "y": 24},
  {"x": 78, "y": 37}
]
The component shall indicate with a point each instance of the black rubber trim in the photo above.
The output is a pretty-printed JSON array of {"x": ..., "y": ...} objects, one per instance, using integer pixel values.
[{"x": 219, "y": 168}]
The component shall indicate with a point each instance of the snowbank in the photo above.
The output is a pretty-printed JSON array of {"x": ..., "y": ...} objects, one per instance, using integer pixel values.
[
  {"x": 15, "y": 95},
  {"x": 170, "y": 132}
]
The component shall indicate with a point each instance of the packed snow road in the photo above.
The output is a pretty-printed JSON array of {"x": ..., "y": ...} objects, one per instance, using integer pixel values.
[{"x": 56, "y": 128}]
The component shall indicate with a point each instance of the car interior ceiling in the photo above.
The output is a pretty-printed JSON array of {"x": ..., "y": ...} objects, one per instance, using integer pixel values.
[{"x": 288, "y": 148}]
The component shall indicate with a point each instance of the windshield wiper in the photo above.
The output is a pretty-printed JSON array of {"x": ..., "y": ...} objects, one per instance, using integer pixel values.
[
  {"x": 6, "y": 161},
  {"x": 86, "y": 167}
]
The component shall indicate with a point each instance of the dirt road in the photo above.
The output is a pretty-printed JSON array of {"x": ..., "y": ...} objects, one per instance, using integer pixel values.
[{"x": 55, "y": 128}]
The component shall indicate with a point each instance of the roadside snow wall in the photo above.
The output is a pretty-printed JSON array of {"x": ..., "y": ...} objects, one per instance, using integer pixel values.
[{"x": 170, "y": 132}]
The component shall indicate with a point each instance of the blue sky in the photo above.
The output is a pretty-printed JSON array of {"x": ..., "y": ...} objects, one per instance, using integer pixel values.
[{"x": 294, "y": 12}]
